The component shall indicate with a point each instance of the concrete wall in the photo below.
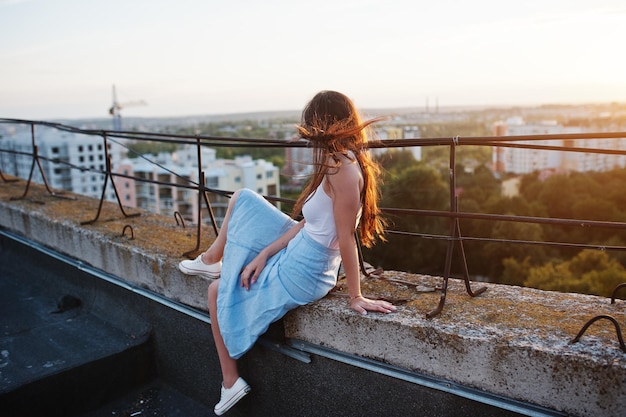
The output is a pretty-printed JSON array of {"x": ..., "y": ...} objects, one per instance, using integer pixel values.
[{"x": 509, "y": 341}]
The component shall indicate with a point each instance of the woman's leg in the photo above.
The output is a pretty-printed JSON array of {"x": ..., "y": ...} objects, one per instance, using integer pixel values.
[
  {"x": 215, "y": 252},
  {"x": 230, "y": 373}
]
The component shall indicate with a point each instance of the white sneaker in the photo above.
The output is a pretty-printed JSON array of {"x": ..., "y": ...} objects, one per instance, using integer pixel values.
[
  {"x": 230, "y": 396},
  {"x": 197, "y": 267}
]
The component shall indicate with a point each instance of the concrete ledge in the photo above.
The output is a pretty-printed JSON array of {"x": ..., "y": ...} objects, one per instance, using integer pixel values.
[
  {"x": 148, "y": 259},
  {"x": 509, "y": 341},
  {"x": 528, "y": 363}
]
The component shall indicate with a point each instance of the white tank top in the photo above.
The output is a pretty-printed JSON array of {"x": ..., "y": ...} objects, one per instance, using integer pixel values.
[{"x": 320, "y": 219}]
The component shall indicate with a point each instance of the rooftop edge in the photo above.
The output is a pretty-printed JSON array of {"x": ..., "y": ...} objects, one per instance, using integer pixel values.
[{"x": 509, "y": 341}]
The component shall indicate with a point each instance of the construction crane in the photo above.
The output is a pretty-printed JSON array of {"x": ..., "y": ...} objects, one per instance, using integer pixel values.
[{"x": 117, "y": 106}]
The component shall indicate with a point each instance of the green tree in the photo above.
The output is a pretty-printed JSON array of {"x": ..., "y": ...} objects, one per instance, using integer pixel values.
[
  {"x": 584, "y": 196},
  {"x": 240, "y": 129},
  {"x": 589, "y": 272},
  {"x": 498, "y": 251},
  {"x": 394, "y": 161},
  {"x": 137, "y": 148},
  {"x": 557, "y": 195},
  {"x": 481, "y": 185},
  {"x": 515, "y": 272},
  {"x": 475, "y": 191},
  {"x": 417, "y": 187}
]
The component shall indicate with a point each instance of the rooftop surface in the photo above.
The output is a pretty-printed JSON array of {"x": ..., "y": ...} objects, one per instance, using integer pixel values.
[{"x": 49, "y": 343}]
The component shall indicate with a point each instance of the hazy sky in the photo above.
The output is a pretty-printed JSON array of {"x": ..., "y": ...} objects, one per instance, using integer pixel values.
[{"x": 60, "y": 58}]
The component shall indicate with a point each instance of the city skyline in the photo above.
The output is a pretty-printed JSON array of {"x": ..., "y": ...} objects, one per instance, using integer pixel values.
[{"x": 61, "y": 59}]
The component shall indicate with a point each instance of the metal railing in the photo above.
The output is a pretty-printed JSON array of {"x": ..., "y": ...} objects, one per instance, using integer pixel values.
[{"x": 454, "y": 238}]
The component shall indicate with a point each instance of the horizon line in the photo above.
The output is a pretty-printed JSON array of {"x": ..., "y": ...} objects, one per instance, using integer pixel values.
[{"x": 403, "y": 109}]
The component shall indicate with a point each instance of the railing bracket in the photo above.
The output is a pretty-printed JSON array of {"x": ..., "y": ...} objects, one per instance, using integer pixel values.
[{"x": 618, "y": 330}]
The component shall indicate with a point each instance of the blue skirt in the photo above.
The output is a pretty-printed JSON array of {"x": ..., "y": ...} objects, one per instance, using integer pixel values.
[{"x": 301, "y": 273}]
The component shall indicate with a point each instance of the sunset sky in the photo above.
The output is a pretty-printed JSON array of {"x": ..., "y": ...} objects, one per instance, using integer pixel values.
[{"x": 59, "y": 59}]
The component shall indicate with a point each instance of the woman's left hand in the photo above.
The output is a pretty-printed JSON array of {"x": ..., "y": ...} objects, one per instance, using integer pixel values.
[
  {"x": 250, "y": 273},
  {"x": 362, "y": 305}
]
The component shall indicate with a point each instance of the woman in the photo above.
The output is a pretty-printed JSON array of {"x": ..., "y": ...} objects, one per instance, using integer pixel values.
[{"x": 271, "y": 263}]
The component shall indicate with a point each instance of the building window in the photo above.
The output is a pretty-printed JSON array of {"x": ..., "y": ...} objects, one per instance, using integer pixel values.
[
  {"x": 55, "y": 150},
  {"x": 212, "y": 182},
  {"x": 237, "y": 179}
]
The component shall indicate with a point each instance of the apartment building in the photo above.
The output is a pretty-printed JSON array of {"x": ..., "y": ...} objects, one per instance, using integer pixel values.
[
  {"x": 70, "y": 162},
  {"x": 399, "y": 133},
  {"x": 523, "y": 161},
  {"x": 165, "y": 183}
]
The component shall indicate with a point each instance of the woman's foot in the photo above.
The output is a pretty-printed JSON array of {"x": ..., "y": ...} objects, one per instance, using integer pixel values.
[
  {"x": 230, "y": 396},
  {"x": 198, "y": 267}
]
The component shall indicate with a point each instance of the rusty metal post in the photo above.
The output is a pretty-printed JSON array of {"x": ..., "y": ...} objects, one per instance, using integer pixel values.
[
  {"x": 455, "y": 236},
  {"x": 612, "y": 319},
  {"x": 614, "y": 294},
  {"x": 108, "y": 174},
  {"x": 453, "y": 230},
  {"x": 202, "y": 196},
  {"x": 41, "y": 171}
]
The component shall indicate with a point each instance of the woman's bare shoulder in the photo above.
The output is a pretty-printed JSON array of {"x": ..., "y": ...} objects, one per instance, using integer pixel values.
[{"x": 347, "y": 175}]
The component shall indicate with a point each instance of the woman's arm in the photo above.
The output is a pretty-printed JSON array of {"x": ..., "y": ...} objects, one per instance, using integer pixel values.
[
  {"x": 251, "y": 272},
  {"x": 345, "y": 186}
]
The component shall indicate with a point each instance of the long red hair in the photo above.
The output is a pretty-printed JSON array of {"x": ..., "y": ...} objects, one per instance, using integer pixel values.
[{"x": 332, "y": 125}]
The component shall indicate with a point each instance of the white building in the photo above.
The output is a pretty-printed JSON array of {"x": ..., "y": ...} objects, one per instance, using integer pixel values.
[
  {"x": 242, "y": 172},
  {"x": 399, "y": 133},
  {"x": 181, "y": 168},
  {"x": 523, "y": 161},
  {"x": 578, "y": 161},
  {"x": 70, "y": 162}
]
